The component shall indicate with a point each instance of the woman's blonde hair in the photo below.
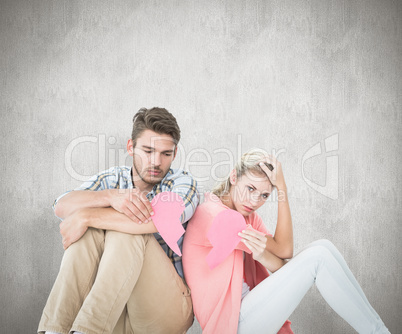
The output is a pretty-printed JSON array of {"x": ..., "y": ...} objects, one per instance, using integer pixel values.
[{"x": 249, "y": 162}]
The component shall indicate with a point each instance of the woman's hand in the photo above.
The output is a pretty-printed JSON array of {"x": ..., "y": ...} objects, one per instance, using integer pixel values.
[
  {"x": 276, "y": 174},
  {"x": 255, "y": 242}
]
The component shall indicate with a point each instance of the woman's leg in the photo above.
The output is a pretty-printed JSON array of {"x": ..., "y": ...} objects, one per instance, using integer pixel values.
[
  {"x": 268, "y": 305},
  {"x": 338, "y": 256}
]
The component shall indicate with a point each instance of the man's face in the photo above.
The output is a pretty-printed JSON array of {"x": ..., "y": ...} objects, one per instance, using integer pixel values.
[{"x": 152, "y": 156}]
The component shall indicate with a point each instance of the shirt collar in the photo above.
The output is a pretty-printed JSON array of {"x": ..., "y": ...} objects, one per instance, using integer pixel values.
[{"x": 131, "y": 184}]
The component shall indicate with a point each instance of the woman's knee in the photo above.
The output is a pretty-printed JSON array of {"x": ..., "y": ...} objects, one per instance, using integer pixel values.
[
  {"x": 324, "y": 243},
  {"x": 318, "y": 250}
]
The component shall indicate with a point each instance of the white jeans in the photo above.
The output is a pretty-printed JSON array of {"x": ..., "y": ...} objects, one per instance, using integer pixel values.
[{"x": 270, "y": 303}]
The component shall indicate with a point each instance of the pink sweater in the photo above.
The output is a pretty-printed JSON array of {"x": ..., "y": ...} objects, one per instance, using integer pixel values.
[{"x": 216, "y": 294}]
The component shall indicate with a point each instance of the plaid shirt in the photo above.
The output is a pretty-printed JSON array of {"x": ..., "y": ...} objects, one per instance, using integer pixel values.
[{"x": 178, "y": 181}]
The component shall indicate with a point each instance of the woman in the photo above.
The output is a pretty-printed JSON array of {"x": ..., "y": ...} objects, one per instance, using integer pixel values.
[{"x": 237, "y": 296}]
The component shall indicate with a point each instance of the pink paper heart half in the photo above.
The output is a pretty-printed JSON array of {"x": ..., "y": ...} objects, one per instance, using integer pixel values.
[
  {"x": 223, "y": 235},
  {"x": 168, "y": 208}
]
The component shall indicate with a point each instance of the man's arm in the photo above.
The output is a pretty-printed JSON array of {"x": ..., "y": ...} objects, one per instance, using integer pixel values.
[
  {"x": 186, "y": 187},
  {"x": 90, "y": 194},
  {"x": 110, "y": 219},
  {"x": 80, "y": 199},
  {"x": 74, "y": 226},
  {"x": 130, "y": 202},
  {"x": 110, "y": 188}
]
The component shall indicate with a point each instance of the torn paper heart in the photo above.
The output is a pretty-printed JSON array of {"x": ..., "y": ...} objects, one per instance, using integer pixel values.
[
  {"x": 223, "y": 235},
  {"x": 168, "y": 208}
]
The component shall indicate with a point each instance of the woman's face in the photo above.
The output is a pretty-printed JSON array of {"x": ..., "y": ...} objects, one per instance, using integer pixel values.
[{"x": 249, "y": 192}]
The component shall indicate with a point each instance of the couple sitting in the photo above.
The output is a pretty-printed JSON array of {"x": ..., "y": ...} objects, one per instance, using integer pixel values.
[{"x": 118, "y": 275}]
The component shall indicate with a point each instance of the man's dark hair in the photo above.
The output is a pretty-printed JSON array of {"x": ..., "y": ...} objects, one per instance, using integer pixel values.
[{"x": 156, "y": 119}]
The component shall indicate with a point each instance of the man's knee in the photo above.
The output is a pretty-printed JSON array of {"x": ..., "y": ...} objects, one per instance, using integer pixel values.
[
  {"x": 124, "y": 240},
  {"x": 120, "y": 236},
  {"x": 91, "y": 238}
]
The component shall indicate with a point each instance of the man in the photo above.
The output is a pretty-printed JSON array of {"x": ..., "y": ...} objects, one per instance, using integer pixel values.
[{"x": 116, "y": 269}]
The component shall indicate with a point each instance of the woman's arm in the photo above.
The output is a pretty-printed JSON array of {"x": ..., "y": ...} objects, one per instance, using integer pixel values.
[
  {"x": 256, "y": 242},
  {"x": 281, "y": 244},
  {"x": 271, "y": 261}
]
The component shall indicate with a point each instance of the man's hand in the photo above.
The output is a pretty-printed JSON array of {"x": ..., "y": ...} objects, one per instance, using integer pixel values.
[
  {"x": 131, "y": 202},
  {"x": 73, "y": 227}
]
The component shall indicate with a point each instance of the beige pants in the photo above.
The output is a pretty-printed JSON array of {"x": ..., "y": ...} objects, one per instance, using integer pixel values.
[{"x": 116, "y": 282}]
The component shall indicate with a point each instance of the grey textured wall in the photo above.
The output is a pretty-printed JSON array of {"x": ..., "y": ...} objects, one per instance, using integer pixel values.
[{"x": 281, "y": 75}]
